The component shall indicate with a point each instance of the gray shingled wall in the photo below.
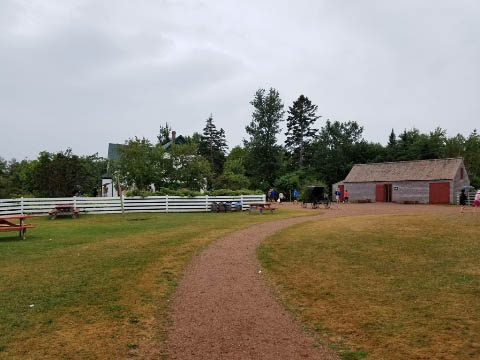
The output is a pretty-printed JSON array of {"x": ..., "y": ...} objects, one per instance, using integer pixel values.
[
  {"x": 410, "y": 190},
  {"x": 418, "y": 191},
  {"x": 458, "y": 183}
]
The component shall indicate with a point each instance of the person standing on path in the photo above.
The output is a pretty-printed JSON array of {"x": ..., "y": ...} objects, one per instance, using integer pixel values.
[
  {"x": 463, "y": 200},
  {"x": 337, "y": 196},
  {"x": 345, "y": 196},
  {"x": 295, "y": 195}
]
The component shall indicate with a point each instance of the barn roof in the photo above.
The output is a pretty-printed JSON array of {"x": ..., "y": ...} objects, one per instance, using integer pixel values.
[{"x": 439, "y": 169}]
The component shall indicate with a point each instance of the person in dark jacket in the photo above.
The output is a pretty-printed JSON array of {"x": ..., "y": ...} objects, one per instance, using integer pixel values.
[{"x": 463, "y": 200}]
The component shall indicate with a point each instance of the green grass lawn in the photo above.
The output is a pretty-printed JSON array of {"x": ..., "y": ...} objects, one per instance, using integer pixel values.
[
  {"x": 383, "y": 287},
  {"x": 98, "y": 287}
]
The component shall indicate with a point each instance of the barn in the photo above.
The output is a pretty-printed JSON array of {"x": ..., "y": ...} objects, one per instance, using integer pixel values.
[{"x": 436, "y": 181}]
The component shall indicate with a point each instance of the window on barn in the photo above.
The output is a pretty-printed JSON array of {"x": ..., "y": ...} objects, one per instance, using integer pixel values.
[{"x": 461, "y": 174}]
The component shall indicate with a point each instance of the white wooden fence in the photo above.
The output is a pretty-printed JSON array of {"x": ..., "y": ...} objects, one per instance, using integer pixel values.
[
  {"x": 112, "y": 205},
  {"x": 470, "y": 197}
]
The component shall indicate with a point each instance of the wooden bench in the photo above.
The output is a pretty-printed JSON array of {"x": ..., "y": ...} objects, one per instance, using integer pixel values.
[
  {"x": 21, "y": 229},
  {"x": 260, "y": 209},
  {"x": 63, "y": 210},
  {"x": 6, "y": 224}
]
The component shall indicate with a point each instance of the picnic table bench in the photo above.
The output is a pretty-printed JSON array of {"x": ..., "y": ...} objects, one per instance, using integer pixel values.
[
  {"x": 6, "y": 224},
  {"x": 260, "y": 207},
  {"x": 63, "y": 210}
]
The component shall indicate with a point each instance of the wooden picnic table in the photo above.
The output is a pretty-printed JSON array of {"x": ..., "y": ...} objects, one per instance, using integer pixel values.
[
  {"x": 63, "y": 210},
  {"x": 260, "y": 207},
  {"x": 264, "y": 205},
  {"x": 6, "y": 224}
]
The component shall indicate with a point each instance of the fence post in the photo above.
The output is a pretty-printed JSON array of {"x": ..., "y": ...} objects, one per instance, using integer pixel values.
[
  {"x": 206, "y": 203},
  {"x": 74, "y": 203},
  {"x": 241, "y": 201},
  {"x": 121, "y": 204},
  {"x": 166, "y": 203},
  {"x": 264, "y": 197},
  {"x": 21, "y": 205}
]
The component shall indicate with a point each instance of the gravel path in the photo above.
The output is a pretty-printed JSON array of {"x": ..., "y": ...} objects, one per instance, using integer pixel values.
[{"x": 224, "y": 309}]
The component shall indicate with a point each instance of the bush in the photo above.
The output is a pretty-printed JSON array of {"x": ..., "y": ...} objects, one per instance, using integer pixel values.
[
  {"x": 228, "y": 192},
  {"x": 191, "y": 193},
  {"x": 19, "y": 195},
  {"x": 165, "y": 191},
  {"x": 136, "y": 192}
]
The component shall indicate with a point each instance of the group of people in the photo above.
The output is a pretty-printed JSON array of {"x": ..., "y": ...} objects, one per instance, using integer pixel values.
[
  {"x": 280, "y": 197},
  {"x": 274, "y": 197},
  {"x": 338, "y": 194},
  {"x": 463, "y": 200}
]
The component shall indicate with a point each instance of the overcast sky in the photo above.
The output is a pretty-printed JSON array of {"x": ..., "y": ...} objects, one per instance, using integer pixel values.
[{"x": 83, "y": 73}]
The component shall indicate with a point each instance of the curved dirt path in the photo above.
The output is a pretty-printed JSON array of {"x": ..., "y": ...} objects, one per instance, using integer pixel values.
[{"x": 224, "y": 309}]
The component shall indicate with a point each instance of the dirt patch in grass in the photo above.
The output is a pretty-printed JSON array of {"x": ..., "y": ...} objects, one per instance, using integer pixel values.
[
  {"x": 384, "y": 286},
  {"x": 100, "y": 285}
]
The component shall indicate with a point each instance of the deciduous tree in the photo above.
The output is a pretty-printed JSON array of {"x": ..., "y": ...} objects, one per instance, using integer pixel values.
[
  {"x": 233, "y": 176},
  {"x": 189, "y": 170},
  {"x": 136, "y": 163},
  {"x": 164, "y": 134}
]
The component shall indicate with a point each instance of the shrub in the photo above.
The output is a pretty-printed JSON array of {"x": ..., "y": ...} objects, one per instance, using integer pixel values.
[{"x": 191, "y": 193}]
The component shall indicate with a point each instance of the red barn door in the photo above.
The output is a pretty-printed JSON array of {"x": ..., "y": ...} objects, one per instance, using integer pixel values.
[
  {"x": 342, "y": 188},
  {"x": 379, "y": 193},
  {"x": 439, "y": 193}
]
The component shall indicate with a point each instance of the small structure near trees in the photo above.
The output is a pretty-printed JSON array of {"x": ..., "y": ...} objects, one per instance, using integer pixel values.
[{"x": 422, "y": 181}]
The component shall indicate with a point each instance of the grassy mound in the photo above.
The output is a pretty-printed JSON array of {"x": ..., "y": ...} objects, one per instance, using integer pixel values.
[{"x": 383, "y": 287}]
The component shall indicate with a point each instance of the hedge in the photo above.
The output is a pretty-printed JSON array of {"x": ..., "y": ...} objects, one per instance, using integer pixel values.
[{"x": 192, "y": 193}]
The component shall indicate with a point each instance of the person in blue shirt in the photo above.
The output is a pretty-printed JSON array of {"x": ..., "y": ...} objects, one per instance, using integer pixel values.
[
  {"x": 295, "y": 195},
  {"x": 337, "y": 196}
]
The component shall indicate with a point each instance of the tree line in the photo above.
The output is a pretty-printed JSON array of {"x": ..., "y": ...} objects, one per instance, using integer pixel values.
[
  {"x": 315, "y": 151},
  {"x": 59, "y": 174}
]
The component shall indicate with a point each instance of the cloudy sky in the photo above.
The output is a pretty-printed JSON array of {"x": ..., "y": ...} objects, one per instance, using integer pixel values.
[{"x": 83, "y": 73}]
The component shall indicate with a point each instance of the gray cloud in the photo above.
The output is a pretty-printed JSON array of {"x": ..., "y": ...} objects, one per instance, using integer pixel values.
[{"x": 84, "y": 73}]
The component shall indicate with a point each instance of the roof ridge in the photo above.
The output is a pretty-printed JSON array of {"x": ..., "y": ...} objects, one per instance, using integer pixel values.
[{"x": 409, "y": 161}]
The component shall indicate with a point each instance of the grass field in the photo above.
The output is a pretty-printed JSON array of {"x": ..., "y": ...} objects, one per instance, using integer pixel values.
[
  {"x": 98, "y": 287},
  {"x": 383, "y": 287}
]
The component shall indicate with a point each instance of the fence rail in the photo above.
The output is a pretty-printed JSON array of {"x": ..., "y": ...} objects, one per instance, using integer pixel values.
[{"x": 112, "y": 205}]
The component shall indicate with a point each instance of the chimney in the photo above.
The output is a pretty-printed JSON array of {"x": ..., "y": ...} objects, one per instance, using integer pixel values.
[{"x": 174, "y": 136}]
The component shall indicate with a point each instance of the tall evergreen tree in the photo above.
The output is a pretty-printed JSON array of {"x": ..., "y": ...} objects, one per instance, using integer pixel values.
[
  {"x": 392, "y": 139},
  {"x": 213, "y": 146},
  {"x": 300, "y": 132},
  {"x": 392, "y": 147},
  {"x": 264, "y": 154}
]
